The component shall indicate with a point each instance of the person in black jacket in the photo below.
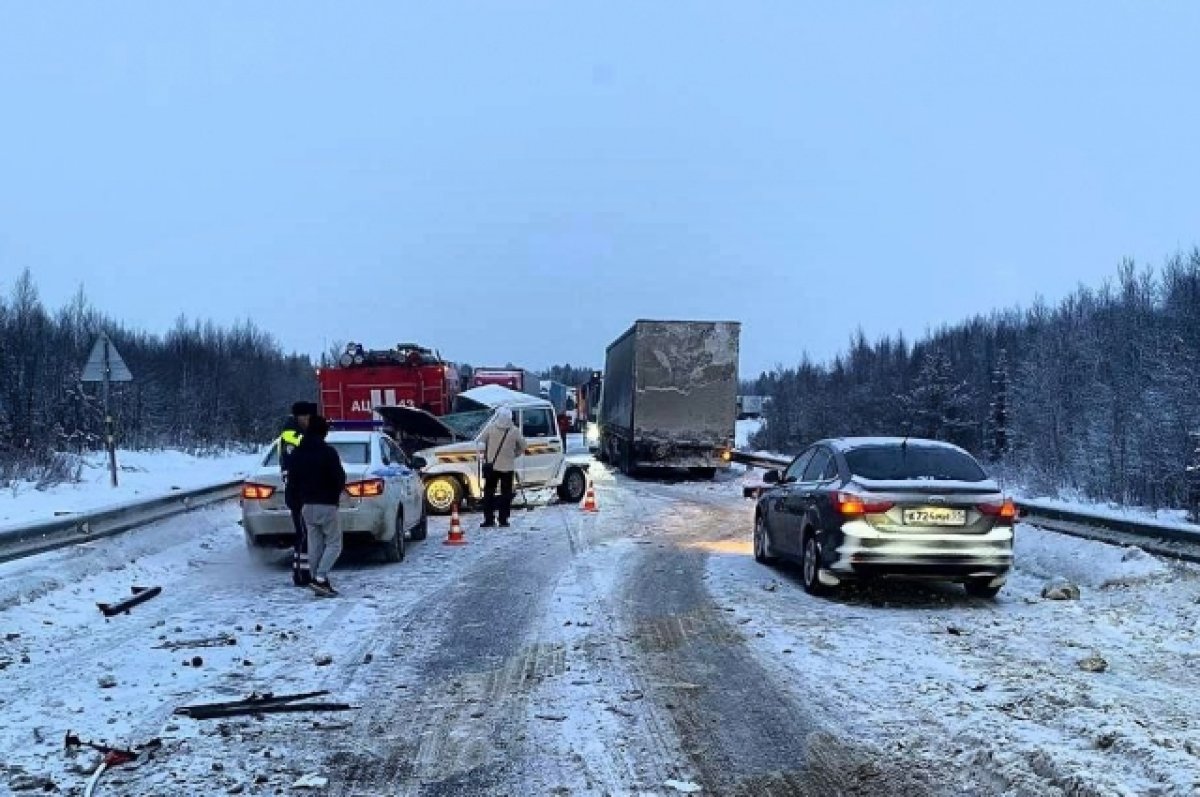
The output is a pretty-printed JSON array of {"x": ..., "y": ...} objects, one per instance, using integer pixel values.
[
  {"x": 289, "y": 439},
  {"x": 318, "y": 479}
]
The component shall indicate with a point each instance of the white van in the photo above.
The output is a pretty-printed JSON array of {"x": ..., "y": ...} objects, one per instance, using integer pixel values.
[{"x": 452, "y": 446}]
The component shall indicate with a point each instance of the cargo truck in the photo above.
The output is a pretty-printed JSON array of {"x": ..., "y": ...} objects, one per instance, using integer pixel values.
[
  {"x": 751, "y": 407},
  {"x": 670, "y": 396}
]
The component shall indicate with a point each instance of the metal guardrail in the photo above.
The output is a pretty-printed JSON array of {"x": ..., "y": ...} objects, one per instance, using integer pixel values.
[
  {"x": 17, "y": 542},
  {"x": 1165, "y": 539},
  {"x": 764, "y": 461}
]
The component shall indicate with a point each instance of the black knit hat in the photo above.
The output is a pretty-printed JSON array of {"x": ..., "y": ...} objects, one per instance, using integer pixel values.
[
  {"x": 304, "y": 408},
  {"x": 318, "y": 427}
]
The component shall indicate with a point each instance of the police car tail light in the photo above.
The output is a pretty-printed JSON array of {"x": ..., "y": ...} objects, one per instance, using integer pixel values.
[
  {"x": 370, "y": 488},
  {"x": 257, "y": 492}
]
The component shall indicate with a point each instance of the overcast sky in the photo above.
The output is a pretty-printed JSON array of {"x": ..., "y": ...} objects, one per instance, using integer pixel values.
[{"x": 519, "y": 181}]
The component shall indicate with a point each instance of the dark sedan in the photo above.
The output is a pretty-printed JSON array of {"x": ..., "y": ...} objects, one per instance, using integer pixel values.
[{"x": 890, "y": 507}]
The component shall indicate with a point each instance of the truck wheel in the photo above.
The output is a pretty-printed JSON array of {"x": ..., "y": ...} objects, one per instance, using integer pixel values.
[
  {"x": 441, "y": 494},
  {"x": 393, "y": 549},
  {"x": 573, "y": 486}
]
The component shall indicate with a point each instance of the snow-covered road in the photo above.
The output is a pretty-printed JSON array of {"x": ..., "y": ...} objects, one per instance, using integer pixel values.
[{"x": 637, "y": 651}]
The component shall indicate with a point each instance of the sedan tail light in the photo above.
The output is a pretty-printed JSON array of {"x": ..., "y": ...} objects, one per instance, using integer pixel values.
[
  {"x": 257, "y": 492},
  {"x": 365, "y": 489},
  {"x": 1006, "y": 510},
  {"x": 851, "y": 505}
]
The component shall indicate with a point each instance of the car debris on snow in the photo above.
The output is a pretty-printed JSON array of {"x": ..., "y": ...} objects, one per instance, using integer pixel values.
[
  {"x": 261, "y": 704},
  {"x": 552, "y": 717},
  {"x": 683, "y": 786},
  {"x": 207, "y": 642},
  {"x": 140, "y": 595},
  {"x": 1094, "y": 663},
  {"x": 323, "y": 660},
  {"x": 311, "y": 782},
  {"x": 1060, "y": 589},
  {"x": 106, "y": 681}
]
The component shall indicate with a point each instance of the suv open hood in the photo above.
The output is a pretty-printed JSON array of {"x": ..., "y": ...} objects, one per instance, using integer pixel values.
[{"x": 410, "y": 422}]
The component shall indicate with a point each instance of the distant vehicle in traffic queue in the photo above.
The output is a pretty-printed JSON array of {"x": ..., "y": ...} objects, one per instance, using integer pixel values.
[
  {"x": 383, "y": 504},
  {"x": 859, "y": 508},
  {"x": 451, "y": 447},
  {"x": 752, "y": 407},
  {"x": 517, "y": 379}
]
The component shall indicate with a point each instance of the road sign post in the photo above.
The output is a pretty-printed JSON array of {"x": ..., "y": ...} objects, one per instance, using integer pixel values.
[{"x": 105, "y": 365}]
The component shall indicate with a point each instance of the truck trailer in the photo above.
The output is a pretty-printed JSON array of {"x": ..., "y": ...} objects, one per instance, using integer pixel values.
[{"x": 670, "y": 396}]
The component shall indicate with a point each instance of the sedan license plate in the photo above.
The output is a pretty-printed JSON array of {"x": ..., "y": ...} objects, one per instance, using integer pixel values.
[{"x": 935, "y": 516}]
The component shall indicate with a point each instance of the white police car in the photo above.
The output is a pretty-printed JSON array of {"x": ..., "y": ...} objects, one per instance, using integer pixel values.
[{"x": 383, "y": 503}]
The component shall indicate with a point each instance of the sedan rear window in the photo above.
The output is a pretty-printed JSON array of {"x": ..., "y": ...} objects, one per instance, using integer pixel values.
[
  {"x": 352, "y": 453},
  {"x": 896, "y": 463}
]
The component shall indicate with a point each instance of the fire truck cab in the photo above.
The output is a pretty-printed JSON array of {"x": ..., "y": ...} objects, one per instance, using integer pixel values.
[{"x": 405, "y": 376}]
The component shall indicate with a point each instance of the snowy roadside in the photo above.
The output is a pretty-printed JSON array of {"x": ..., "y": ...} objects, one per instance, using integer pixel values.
[
  {"x": 143, "y": 474},
  {"x": 1026, "y": 696},
  {"x": 67, "y": 667},
  {"x": 1171, "y": 518}
]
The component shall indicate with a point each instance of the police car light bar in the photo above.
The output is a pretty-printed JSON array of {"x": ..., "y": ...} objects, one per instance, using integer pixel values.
[{"x": 355, "y": 426}]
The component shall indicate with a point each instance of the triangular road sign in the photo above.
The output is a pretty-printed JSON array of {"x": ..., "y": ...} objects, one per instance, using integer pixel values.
[{"x": 105, "y": 352}]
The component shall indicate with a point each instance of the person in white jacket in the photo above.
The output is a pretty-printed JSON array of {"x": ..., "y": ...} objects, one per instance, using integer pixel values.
[{"x": 502, "y": 444}]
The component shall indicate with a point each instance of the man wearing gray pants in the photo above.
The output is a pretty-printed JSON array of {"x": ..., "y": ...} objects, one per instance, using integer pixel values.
[{"x": 319, "y": 479}]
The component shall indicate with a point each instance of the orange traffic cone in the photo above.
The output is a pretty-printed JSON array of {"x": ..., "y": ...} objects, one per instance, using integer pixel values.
[
  {"x": 455, "y": 536},
  {"x": 589, "y": 500}
]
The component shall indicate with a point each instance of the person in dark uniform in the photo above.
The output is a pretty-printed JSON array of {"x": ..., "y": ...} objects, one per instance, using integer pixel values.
[
  {"x": 289, "y": 440},
  {"x": 564, "y": 426}
]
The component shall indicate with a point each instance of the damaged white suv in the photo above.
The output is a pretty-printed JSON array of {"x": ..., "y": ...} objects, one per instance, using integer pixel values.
[{"x": 452, "y": 446}]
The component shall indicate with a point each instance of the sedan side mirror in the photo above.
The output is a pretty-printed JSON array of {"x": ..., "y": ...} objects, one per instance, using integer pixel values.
[
  {"x": 419, "y": 463},
  {"x": 771, "y": 477}
]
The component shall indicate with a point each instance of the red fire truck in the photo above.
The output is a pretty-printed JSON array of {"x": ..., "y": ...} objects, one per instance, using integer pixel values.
[{"x": 405, "y": 376}]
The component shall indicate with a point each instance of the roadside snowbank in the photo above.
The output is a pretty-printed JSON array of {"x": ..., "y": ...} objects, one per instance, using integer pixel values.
[
  {"x": 1172, "y": 518},
  {"x": 142, "y": 474},
  {"x": 1045, "y": 554}
]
